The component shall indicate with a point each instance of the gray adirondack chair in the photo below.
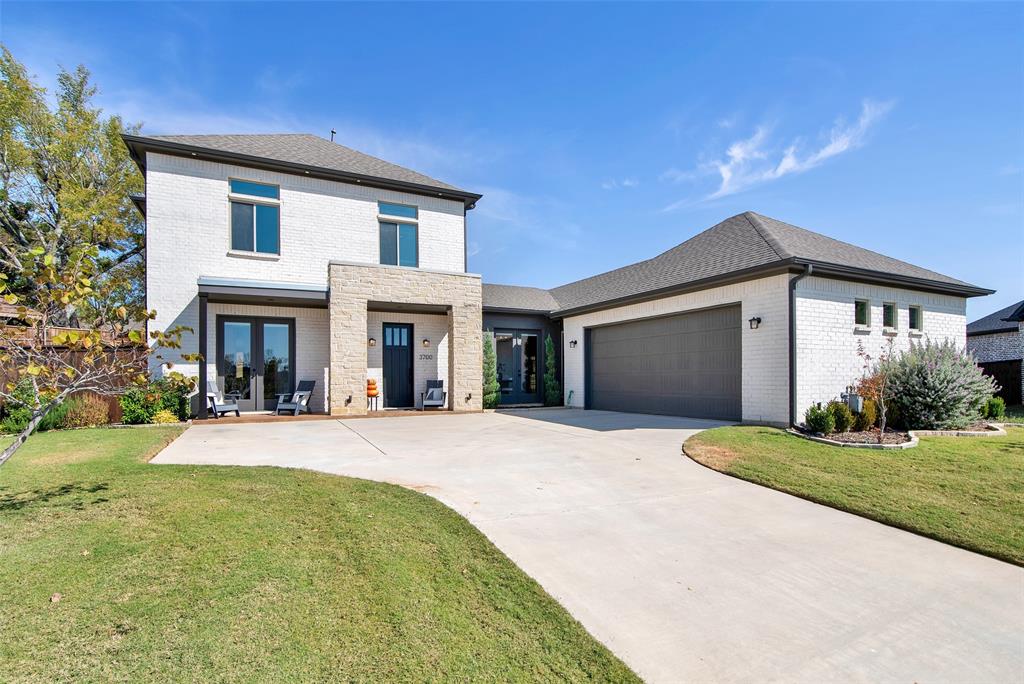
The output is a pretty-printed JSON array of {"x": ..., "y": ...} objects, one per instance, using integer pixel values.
[
  {"x": 434, "y": 397},
  {"x": 298, "y": 401},
  {"x": 217, "y": 403}
]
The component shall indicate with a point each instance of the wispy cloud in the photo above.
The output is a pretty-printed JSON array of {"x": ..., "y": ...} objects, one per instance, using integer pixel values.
[
  {"x": 756, "y": 159},
  {"x": 512, "y": 217},
  {"x": 614, "y": 184}
]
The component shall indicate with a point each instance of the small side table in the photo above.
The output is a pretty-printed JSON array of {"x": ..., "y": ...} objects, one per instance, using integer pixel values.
[{"x": 372, "y": 403}]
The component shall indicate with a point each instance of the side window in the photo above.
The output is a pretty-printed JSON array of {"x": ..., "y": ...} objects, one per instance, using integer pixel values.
[
  {"x": 916, "y": 319},
  {"x": 255, "y": 217},
  {"x": 399, "y": 238},
  {"x": 889, "y": 315},
  {"x": 862, "y": 313}
]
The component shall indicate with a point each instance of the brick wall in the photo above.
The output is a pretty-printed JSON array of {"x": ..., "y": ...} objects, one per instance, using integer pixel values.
[
  {"x": 1005, "y": 346},
  {"x": 312, "y": 337},
  {"x": 765, "y": 371},
  {"x": 827, "y": 338},
  {"x": 354, "y": 285},
  {"x": 429, "y": 363},
  {"x": 188, "y": 232}
]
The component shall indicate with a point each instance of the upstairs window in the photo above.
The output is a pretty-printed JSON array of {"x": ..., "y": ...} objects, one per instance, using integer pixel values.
[
  {"x": 889, "y": 315},
  {"x": 916, "y": 320},
  {"x": 399, "y": 239},
  {"x": 255, "y": 224},
  {"x": 862, "y": 313}
]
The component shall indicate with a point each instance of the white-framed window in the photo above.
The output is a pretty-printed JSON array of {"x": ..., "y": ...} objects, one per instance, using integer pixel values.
[
  {"x": 916, "y": 318},
  {"x": 889, "y": 317},
  {"x": 255, "y": 216},
  {"x": 399, "y": 234},
  {"x": 862, "y": 313}
]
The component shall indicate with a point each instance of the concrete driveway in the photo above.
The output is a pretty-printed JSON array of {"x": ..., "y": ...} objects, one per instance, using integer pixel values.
[{"x": 686, "y": 574}]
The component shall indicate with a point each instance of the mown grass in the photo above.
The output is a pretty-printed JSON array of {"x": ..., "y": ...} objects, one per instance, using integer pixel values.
[
  {"x": 196, "y": 573},
  {"x": 967, "y": 491}
]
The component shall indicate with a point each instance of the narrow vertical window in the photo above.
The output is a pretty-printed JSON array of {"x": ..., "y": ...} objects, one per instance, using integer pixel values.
[
  {"x": 862, "y": 313},
  {"x": 889, "y": 315},
  {"x": 916, "y": 321}
]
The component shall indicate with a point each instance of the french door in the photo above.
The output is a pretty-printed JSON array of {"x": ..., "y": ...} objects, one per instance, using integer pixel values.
[
  {"x": 256, "y": 359},
  {"x": 519, "y": 372}
]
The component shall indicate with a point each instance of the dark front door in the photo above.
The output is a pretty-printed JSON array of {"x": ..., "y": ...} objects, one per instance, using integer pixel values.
[
  {"x": 398, "y": 365},
  {"x": 518, "y": 363},
  {"x": 255, "y": 359}
]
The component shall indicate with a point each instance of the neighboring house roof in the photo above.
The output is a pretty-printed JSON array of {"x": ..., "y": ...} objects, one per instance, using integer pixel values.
[
  {"x": 300, "y": 153},
  {"x": 746, "y": 245},
  {"x": 516, "y": 298},
  {"x": 1004, "y": 320}
]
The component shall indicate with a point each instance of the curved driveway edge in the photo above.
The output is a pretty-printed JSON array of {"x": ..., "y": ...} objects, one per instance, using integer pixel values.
[{"x": 685, "y": 573}]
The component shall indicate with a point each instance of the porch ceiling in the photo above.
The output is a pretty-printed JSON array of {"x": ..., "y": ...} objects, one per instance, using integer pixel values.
[
  {"x": 238, "y": 291},
  {"x": 404, "y": 307}
]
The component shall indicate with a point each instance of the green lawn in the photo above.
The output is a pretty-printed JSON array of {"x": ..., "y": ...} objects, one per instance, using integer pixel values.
[
  {"x": 967, "y": 491},
  {"x": 239, "y": 574}
]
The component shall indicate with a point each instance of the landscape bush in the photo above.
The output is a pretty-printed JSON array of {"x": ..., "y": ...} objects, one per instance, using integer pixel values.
[
  {"x": 819, "y": 419},
  {"x": 16, "y": 414},
  {"x": 995, "y": 408},
  {"x": 86, "y": 410},
  {"x": 936, "y": 386},
  {"x": 842, "y": 416},
  {"x": 169, "y": 393},
  {"x": 164, "y": 416},
  {"x": 867, "y": 416}
]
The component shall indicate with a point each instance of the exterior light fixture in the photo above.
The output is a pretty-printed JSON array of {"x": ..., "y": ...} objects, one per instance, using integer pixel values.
[
  {"x": 755, "y": 322},
  {"x": 372, "y": 342},
  {"x": 426, "y": 342},
  {"x": 572, "y": 344}
]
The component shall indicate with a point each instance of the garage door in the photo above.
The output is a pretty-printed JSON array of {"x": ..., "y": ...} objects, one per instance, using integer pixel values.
[{"x": 682, "y": 365}]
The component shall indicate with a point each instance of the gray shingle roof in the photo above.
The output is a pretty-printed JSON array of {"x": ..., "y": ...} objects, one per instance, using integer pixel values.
[
  {"x": 307, "y": 150},
  {"x": 741, "y": 242},
  {"x": 1004, "y": 320},
  {"x": 516, "y": 297}
]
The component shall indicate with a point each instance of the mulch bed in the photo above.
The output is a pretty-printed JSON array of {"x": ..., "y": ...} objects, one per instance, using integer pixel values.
[{"x": 865, "y": 437}]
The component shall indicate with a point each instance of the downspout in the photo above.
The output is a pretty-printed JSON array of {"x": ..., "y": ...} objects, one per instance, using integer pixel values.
[{"x": 808, "y": 269}]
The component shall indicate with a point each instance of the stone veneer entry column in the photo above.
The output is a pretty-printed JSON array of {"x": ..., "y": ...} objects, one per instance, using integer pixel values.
[{"x": 353, "y": 286}]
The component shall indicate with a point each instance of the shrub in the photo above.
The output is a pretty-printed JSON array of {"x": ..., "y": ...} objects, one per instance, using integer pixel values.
[
  {"x": 86, "y": 410},
  {"x": 936, "y": 386},
  {"x": 865, "y": 420},
  {"x": 820, "y": 420},
  {"x": 54, "y": 420},
  {"x": 172, "y": 392},
  {"x": 842, "y": 416},
  {"x": 164, "y": 416},
  {"x": 491, "y": 387},
  {"x": 17, "y": 413},
  {"x": 552, "y": 390},
  {"x": 136, "y": 406},
  {"x": 995, "y": 408}
]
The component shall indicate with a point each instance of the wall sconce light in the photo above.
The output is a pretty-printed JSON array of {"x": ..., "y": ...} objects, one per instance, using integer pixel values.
[
  {"x": 426, "y": 342},
  {"x": 372, "y": 342},
  {"x": 755, "y": 322},
  {"x": 572, "y": 344}
]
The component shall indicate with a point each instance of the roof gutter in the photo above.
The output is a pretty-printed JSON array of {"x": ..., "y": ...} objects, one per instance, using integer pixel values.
[
  {"x": 138, "y": 146},
  {"x": 808, "y": 270}
]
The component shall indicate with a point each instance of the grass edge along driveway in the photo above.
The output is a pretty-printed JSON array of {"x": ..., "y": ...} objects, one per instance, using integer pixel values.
[
  {"x": 239, "y": 574},
  {"x": 965, "y": 491}
]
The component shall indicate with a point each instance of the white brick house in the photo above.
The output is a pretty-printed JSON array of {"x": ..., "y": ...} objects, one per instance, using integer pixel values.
[
  {"x": 244, "y": 235},
  {"x": 294, "y": 258},
  {"x": 997, "y": 342}
]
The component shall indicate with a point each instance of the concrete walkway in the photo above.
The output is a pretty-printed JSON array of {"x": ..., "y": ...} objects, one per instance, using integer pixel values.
[{"x": 686, "y": 574}]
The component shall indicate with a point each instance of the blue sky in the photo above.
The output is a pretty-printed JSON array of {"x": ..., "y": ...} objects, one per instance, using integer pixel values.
[{"x": 604, "y": 134}]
